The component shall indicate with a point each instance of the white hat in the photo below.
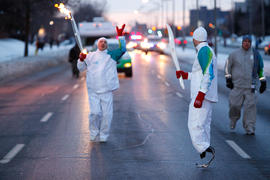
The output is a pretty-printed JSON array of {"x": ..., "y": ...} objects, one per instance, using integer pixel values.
[
  {"x": 102, "y": 38},
  {"x": 200, "y": 34}
]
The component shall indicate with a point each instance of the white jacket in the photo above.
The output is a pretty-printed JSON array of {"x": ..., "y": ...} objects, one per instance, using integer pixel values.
[
  {"x": 101, "y": 75},
  {"x": 204, "y": 73}
]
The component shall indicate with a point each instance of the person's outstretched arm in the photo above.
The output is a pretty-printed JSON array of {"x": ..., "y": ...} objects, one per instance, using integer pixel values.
[{"x": 116, "y": 54}]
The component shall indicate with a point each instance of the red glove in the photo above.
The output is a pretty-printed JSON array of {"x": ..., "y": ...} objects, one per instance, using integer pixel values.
[
  {"x": 120, "y": 31},
  {"x": 82, "y": 56},
  {"x": 181, "y": 73},
  {"x": 199, "y": 100}
]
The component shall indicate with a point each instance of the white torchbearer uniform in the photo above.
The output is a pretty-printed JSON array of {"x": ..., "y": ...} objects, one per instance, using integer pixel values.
[
  {"x": 203, "y": 78},
  {"x": 102, "y": 80}
]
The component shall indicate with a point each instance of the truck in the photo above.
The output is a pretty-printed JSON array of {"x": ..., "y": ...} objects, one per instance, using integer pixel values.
[{"x": 90, "y": 31}]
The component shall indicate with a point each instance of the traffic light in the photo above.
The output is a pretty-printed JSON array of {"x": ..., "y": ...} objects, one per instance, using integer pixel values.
[{"x": 179, "y": 28}]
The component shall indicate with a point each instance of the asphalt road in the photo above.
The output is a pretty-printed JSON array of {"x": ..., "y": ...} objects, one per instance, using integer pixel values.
[{"x": 44, "y": 129}]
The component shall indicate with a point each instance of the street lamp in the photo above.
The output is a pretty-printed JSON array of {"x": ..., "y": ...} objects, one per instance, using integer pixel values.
[
  {"x": 215, "y": 16},
  {"x": 151, "y": 10}
]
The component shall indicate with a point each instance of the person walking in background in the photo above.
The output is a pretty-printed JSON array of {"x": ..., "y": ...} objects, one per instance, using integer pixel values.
[
  {"x": 243, "y": 69},
  {"x": 203, "y": 93},
  {"x": 102, "y": 80},
  {"x": 73, "y": 58}
]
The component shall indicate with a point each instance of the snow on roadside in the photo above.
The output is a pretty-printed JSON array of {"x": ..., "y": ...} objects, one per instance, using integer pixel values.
[
  {"x": 14, "y": 49},
  {"x": 188, "y": 55}
]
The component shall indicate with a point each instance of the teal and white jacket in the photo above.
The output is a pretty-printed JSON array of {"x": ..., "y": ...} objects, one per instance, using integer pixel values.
[
  {"x": 101, "y": 75},
  {"x": 204, "y": 73}
]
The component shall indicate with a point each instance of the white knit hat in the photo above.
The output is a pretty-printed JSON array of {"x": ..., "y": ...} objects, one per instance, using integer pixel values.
[
  {"x": 102, "y": 38},
  {"x": 200, "y": 34}
]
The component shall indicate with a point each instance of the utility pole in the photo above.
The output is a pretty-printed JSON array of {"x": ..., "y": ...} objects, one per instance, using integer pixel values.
[
  {"x": 27, "y": 26},
  {"x": 250, "y": 17},
  {"x": 215, "y": 16},
  {"x": 263, "y": 25},
  {"x": 233, "y": 16},
  {"x": 166, "y": 12},
  {"x": 173, "y": 16},
  {"x": 173, "y": 12},
  {"x": 198, "y": 14},
  {"x": 183, "y": 28}
]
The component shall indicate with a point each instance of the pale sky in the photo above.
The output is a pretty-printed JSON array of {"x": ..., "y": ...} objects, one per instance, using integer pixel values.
[{"x": 122, "y": 11}]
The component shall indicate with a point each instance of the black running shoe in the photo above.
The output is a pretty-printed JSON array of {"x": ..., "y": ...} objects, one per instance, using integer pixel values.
[
  {"x": 210, "y": 149},
  {"x": 202, "y": 155}
]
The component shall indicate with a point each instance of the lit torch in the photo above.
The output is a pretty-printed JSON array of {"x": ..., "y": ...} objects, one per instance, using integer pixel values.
[{"x": 68, "y": 14}]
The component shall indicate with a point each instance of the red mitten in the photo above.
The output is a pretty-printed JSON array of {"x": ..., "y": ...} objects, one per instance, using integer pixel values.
[
  {"x": 120, "y": 31},
  {"x": 82, "y": 56},
  {"x": 199, "y": 100},
  {"x": 181, "y": 73}
]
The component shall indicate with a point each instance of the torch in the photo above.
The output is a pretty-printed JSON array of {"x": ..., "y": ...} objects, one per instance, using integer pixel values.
[
  {"x": 173, "y": 53},
  {"x": 68, "y": 14}
]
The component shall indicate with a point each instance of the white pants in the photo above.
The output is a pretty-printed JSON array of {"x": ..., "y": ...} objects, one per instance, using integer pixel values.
[
  {"x": 199, "y": 121},
  {"x": 101, "y": 113}
]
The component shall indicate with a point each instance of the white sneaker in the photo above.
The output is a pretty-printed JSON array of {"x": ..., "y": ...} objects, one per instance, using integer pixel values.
[
  {"x": 102, "y": 139},
  {"x": 93, "y": 138}
]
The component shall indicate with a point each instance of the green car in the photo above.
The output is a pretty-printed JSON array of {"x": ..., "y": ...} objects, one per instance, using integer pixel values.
[{"x": 124, "y": 64}]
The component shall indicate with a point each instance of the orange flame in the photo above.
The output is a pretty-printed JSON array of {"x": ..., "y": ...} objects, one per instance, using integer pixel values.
[
  {"x": 84, "y": 51},
  {"x": 61, "y": 7}
]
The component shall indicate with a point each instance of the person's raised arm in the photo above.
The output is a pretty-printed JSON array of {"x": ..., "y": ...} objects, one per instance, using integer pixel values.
[{"x": 116, "y": 54}]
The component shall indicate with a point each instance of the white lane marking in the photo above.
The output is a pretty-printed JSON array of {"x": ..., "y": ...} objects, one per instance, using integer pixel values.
[
  {"x": 240, "y": 151},
  {"x": 167, "y": 84},
  {"x": 75, "y": 86},
  {"x": 158, "y": 76},
  {"x": 65, "y": 97},
  {"x": 46, "y": 117},
  {"x": 12, "y": 153},
  {"x": 179, "y": 94}
]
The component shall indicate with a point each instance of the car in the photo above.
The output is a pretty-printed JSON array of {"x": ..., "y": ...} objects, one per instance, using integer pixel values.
[
  {"x": 179, "y": 41},
  {"x": 134, "y": 40},
  {"x": 124, "y": 64},
  {"x": 154, "y": 43}
]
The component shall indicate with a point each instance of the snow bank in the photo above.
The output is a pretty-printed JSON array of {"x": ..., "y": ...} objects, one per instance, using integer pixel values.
[
  {"x": 12, "y": 48},
  {"x": 13, "y": 64},
  {"x": 188, "y": 55}
]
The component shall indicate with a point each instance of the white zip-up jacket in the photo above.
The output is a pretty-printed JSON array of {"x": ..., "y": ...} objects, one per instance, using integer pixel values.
[
  {"x": 204, "y": 73},
  {"x": 101, "y": 75}
]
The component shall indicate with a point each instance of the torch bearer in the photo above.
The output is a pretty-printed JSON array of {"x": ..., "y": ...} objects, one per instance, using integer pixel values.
[{"x": 68, "y": 14}]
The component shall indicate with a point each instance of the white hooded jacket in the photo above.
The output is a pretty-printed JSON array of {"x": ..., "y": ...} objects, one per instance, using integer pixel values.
[
  {"x": 204, "y": 73},
  {"x": 101, "y": 75}
]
